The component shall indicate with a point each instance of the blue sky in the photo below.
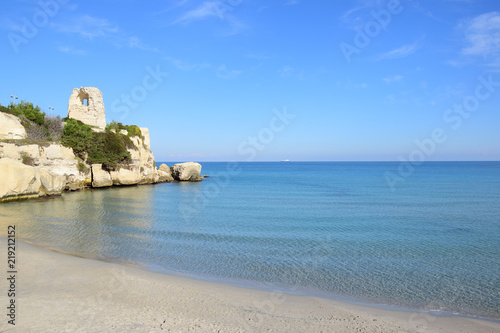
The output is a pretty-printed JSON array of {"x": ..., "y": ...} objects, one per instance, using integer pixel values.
[{"x": 251, "y": 80}]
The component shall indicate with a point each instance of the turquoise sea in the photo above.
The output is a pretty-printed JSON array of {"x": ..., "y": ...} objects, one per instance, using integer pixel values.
[{"x": 334, "y": 230}]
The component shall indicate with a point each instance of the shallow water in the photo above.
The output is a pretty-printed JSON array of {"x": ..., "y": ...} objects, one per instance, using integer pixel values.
[{"x": 328, "y": 229}]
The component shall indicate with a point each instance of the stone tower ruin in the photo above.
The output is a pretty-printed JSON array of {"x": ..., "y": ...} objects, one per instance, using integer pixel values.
[{"x": 85, "y": 104}]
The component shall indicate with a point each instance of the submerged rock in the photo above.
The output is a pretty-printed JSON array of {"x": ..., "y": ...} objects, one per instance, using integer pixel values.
[{"x": 189, "y": 171}]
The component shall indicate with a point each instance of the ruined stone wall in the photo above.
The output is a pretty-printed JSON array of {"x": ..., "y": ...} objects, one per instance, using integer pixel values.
[{"x": 91, "y": 114}]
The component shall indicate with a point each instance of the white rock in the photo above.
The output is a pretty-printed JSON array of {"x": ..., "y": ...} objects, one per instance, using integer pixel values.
[
  {"x": 93, "y": 114},
  {"x": 18, "y": 181},
  {"x": 51, "y": 183},
  {"x": 15, "y": 152},
  {"x": 125, "y": 177},
  {"x": 189, "y": 171},
  {"x": 10, "y": 127},
  {"x": 164, "y": 177},
  {"x": 146, "y": 138},
  {"x": 165, "y": 168},
  {"x": 59, "y": 160},
  {"x": 100, "y": 177}
]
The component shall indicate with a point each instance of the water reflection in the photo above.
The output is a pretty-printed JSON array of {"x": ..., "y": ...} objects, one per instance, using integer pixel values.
[{"x": 87, "y": 222}]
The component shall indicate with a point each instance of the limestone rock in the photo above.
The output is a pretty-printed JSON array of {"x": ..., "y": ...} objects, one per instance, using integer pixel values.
[
  {"x": 10, "y": 127},
  {"x": 189, "y": 171},
  {"x": 59, "y": 160},
  {"x": 165, "y": 168},
  {"x": 100, "y": 177},
  {"x": 91, "y": 114},
  {"x": 125, "y": 177},
  {"x": 52, "y": 183},
  {"x": 143, "y": 159},
  {"x": 146, "y": 139},
  {"x": 164, "y": 173},
  {"x": 15, "y": 152},
  {"x": 18, "y": 181}
]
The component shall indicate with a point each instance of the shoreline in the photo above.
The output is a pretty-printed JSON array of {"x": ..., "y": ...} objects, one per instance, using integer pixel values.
[
  {"x": 60, "y": 292},
  {"x": 263, "y": 287}
]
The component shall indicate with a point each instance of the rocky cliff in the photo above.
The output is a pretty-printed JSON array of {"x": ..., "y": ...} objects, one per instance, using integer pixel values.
[{"x": 34, "y": 170}]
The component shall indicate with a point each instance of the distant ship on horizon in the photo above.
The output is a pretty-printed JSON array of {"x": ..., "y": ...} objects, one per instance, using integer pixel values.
[{"x": 285, "y": 160}]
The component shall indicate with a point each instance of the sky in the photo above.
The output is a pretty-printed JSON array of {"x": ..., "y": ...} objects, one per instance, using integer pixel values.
[{"x": 254, "y": 80}]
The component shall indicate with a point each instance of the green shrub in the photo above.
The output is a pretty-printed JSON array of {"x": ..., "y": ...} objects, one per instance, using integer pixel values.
[
  {"x": 77, "y": 135},
  {"x": 39, "y": 127},
  {"x": 113, "y": 125},
  {"x": 132, "y": 130},
  {"x": 109, "y": 149},
  {"x": 27, "y": 109}
]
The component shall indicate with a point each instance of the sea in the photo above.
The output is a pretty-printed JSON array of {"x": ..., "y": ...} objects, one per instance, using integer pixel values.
[{"x": 422, "y": 238}]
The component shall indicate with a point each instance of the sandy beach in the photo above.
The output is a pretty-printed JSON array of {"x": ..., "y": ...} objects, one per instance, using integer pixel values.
[{"x": 61, "y": 293}]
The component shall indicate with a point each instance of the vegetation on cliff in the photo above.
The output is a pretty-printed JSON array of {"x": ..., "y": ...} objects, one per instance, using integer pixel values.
[
  {"x": 109, "y": 148},
  {"x": 132, "y": 130},
  {"x": 39, "y": 126}
]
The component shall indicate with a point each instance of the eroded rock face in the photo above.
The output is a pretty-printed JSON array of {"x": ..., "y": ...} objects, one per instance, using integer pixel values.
[
  {"x": 52, "y": 183},
  {"x": 91, "y": 114},
  {"x": 18, "y": 181},
  {"x": 100, "y": 177},
  {"x": 189, "y": 171},
  {"x": 11, "y": 128},
  {"x": 143, "y": 158},
  {"x": 125, "y": 177}
]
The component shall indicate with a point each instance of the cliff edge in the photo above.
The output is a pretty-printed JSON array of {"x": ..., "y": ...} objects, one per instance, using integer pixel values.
[{"x": 34, "y": 169}]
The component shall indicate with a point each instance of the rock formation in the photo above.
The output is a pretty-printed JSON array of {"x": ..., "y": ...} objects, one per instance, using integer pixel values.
[
  {"x": 164, "y": 174},
  {"x": 85, "y": 104},
  {"x": 18, "y": 181},
  {"x": 189, "y": 171},
  {"x": 10, "y": 127},
  {"x": 31, "y": 171},
  {"x": 100, "y": 177}
]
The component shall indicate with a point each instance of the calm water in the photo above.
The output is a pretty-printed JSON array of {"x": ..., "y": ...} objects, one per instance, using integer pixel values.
[{"x": 327, "y": 229}]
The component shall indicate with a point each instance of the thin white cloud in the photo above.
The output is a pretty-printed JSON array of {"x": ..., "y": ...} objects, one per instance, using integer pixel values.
[
  {"x": 186, "y": 66},
  {"x": 70, "y": 50},
  {"x": 403, "y": 51},
  {"x": 213, "y": 9},
  {"x": 482, "y": 35},
  {"x": 206, "y": 9},
  {"x": 93, "y": 28},
  {"x": 134, "y": 42},
  {"x": 392, "y": 79},
  {"x": 225, "y": 73},
  {"x": 87, "y": 27}
]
